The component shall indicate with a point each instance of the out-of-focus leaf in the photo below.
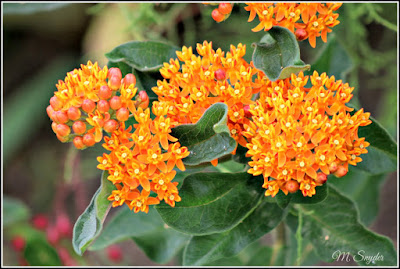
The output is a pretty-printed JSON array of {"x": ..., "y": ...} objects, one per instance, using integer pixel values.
[
  {"x": 90, "y": 223},
  {"x": 159, "y": 242},
  {"x": 382, "y": 153},
  {"x": 333, "y": 60},
  {"x": 363, "y": 189},
  {"x": 209, "y": 138},
  {"x": 143, "y": 55},
  {"x": 212, "y": 202},
  {"x": 333, "y": 225},
  {"x": 278, "y": 54},
  {"x": 38, "y": 252},
  {"x": 14, "y": 211},
  {"x": 25, "y": 110},
  {"x": 29, "y": 8},
  {"x": 283, "y": 200},
  {"x": 204, "y": 249}
]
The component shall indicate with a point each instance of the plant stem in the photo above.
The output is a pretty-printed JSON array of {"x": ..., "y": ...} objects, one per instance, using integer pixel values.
[
  {"x": 280, "y": 241},
  {"x": 299, "y": 238}
]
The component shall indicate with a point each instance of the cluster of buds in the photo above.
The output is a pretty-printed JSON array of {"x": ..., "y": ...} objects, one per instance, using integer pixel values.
[
  {"x": 222, "y": 12},
  {"x": 90, "y": 100}
]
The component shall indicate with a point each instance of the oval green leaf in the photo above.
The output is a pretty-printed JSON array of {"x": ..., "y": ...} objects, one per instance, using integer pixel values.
[
  {"x": 158, "y": 241},
  {"x": 212, "y": 202},
  {"x": 209, "y": 138},
  {"x": 321, "y": 192},
  {"x": 333, "y": 60},
  {"x": 90, "y": 223},
  {"x": 205, "y": 249},
  {"x": 143, "y": 55},
  {"x": 38, "y": 252},
  {"x": 333, "y": 226},
  {"x": 278, "y": 54},
  {"x": 14, "y": 211}
]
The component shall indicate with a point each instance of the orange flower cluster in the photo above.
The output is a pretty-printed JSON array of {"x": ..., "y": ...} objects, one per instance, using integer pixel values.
[
  {"x": 188, "y": 89},
  {"x": 310, "y": 19},
  {"x": 137, "y": 161},
  {"x": 87, "y": 103},
  {"x": 300, "y": 135}
]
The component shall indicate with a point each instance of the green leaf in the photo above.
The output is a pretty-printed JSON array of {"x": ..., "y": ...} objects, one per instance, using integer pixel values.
[
  {"x": 14, "y": 211},
  {"x": 209, "y": 138},
  {"x": 278, "y": 54},
  {"x": 333, "y": 225},
  {"x": 212, "y": 202},
  {"x": 38, "y": 252},
  {"x": 30, "y": 8},
  {"x": 204, "y": 249},
  {"x": 382, "y": 153},
  {"x": 334, "y": 60},
  {"x": 143, "y": 55},
  {"x": 159, "y": 242},
  {"x": 283, "y": 200},
  {"x": 363, "y": 189},
  {"x": 162, "y": 245},
  {"x": 90, "y": 223}
]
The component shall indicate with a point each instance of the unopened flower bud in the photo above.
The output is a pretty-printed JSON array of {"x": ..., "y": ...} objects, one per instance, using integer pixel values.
[
  {"x": 78, "y": 142},
  {"x": 103, "y": 106},
  {"x": 114, "y": 83},
  {"x": 63, "y": 129},
  {"x": 247, "y": 112},
  {"x": 341, "y": 171},
  {"x": 122, "y": 114},
  {"x": 129, "y": 79},
  {"x": 114, "y": 71},
  {"x": 52, "y": 235},
  {"x": 321, "y": 178},
  {"x": 225, "y": 8},
  {"x": 54, "y": 127},
  {"x": 40, "y": 221},
  {"x": 64, "y": 225},
  {"x": 110, "y": 126},
  {"x": 79, "y": 127},
  {"x": 88, "y": 140},
  {"x": 300, "y": 34},
  {"x": 114, "y": 253},
  {"x": 104, "y": 92},
  {"x": 292, "y": 186},
  {"x": 88, "y": 105},
  {"x": 142, "y": 100},
  {"x": 115, "y": 102},
  {"x": 220, "y": 74},
  {"x": 50, "y": 112},
  {"x": 61, "y": 116},
  {"x": 217, "y": 15},
  {"x": 63, "y": 139},
  {"x": 73, "y": 113},
  {"x": 55, "y": 103}
]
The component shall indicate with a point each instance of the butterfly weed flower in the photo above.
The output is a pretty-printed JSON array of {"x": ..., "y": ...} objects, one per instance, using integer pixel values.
[
  {"x": 89, "y": 100},
  {"x": 303, "y": 134},
  {"x": 305, "y": 20},
  {"x": 192, "y": 83}
]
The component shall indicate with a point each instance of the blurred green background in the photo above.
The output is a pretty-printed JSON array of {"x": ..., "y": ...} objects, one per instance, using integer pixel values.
[{"x": 43, "y": 41}]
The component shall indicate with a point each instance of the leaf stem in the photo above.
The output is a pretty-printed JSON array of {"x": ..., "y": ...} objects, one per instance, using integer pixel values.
[{"x": 299, "y": 237}]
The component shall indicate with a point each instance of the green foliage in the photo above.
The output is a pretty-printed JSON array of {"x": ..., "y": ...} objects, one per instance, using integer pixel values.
[
  {"x": 14, "y": 211},
  {"x": 206, "y": 195},
  {"x": 333, "y": 225},
  {"x": 204, "y": 249},
  {"x": 278, "y": 54},
  {"x": 207, "y": 139},
  {"x": 90, "y": 223},
  {"x": 143, "y": 56},
  {"x": 158, "y": 241},
  {"x": 38, "y": 252}
]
